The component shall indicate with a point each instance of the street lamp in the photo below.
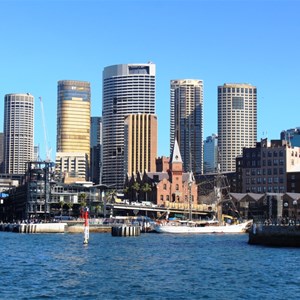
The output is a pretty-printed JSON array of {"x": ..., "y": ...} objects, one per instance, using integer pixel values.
[{"x": 295, "y": 210}]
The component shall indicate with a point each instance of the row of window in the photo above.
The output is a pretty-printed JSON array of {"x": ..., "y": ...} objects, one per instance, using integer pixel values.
[
  {"x": 236, "y": 90},
  {"x": 270, "y": 171},
  {"x": 264, "y": 189},
  {"x": 264, "y": 180}
]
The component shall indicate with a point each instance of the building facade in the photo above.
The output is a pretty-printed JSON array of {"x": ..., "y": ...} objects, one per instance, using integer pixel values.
[
  {"x": 186, "y": 122},
  {"x": 70, "y": 166},
  {"x": 210, "y": 154},
  {"x": 73, "y": 118},
  {"x": 140, "y": 143},
  {"x": 127, "y": 89},
  {"x": 292, "y": 136},
  {"x": 237, "y": 122},
  {"x": 18, "y": 132},
  {"x": 266, "y": 167},
  {"x": 172, "y": 188},
  {"x": 96, "y": 150}
]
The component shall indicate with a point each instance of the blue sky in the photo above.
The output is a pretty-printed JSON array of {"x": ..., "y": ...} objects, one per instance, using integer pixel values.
[{"x": 255, "y": 42}]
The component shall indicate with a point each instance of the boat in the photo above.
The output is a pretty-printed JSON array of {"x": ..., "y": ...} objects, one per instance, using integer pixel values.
[
  {"x": 191, "y": 227},
  {"x": 215, "y": 225}
]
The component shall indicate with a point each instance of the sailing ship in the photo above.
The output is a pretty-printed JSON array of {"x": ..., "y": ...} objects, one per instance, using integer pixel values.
[{"x": 215, "y": 225}]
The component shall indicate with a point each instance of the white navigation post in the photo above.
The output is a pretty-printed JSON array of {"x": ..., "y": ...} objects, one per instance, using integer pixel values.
[{"x": 86, "y": 230}]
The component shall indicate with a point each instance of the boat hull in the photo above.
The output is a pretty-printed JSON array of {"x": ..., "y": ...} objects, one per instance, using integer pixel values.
[{"x": 237, "y": 228}]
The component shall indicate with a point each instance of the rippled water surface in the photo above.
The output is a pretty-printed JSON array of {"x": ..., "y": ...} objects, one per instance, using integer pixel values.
[{"x": 151, "y": 266}]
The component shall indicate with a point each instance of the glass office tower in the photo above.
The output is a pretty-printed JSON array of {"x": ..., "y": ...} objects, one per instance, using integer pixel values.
[{"x": 127, "y": 89}]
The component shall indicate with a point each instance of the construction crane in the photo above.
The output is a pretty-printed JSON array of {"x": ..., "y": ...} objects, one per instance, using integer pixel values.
[{"x": 48, "y": 150}]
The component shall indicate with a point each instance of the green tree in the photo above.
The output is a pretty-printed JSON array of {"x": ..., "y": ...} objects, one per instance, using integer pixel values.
[
  {"x": 61, "y": 205},
  {"x": 70, "y": 206},
  {"x": 97, "y": 209},
  {"x": 146, "y": 188},
  {"x": 110, "y": 196},
  {"x": 136, "y": 188},
  {"x": 82, "y": 199}
]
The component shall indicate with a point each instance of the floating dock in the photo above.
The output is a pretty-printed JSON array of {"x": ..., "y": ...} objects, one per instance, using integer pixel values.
[
  {"x": 35, "y": 228},
  {"x": 275, "y": 235},
  {"x": 125, "y": 230}
]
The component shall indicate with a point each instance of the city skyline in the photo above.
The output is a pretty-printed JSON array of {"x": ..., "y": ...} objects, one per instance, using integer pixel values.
[{"x": 217, "y": 39}]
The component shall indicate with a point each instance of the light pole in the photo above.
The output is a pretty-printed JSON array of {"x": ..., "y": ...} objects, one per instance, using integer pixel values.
[{"x": 295, "y": 210}]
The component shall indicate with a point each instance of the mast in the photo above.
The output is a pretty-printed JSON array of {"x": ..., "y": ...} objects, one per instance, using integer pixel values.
[
  {"x": 190, "y": 182},
  {"x": 218, "y": 193},
  {"x": 218, "y": 189}
]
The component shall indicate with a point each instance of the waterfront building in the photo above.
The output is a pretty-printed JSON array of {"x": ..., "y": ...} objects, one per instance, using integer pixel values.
[
  {"x": 96, "y": 149},
  {"x": 237, "y": 122},
  {"x": 73, "y": 118},
  {"x": 210, "y": 154},
  {"x": 171, "y": 188},
  {"x": 140, "y": 143},
  {"x": 292, "y": 136},
  {"x": 127, "y": 89},
  {"x": 186, "y": 122},
  {"x": 18, "y": 132},
  {"x": 267, "y": 168},
  {"x": 71, "y": 166}
]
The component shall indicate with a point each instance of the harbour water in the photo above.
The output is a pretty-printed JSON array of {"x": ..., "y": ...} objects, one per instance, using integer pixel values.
[{"x": 149, "y": 266}]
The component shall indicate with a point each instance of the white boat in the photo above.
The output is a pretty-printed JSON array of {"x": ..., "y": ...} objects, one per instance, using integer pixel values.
[
  {"x": 206, "y": 228},
  {"x": 211, "y": 226}
]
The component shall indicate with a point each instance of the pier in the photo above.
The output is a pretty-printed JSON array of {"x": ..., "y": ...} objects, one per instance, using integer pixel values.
[
  {"x": 275, "y": 235},
  {"x": 125, "y": 230},
  {"x": 34, "y": 228}
]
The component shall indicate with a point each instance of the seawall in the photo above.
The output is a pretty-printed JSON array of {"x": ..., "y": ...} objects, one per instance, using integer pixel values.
[{"x": 277, "y": 236}]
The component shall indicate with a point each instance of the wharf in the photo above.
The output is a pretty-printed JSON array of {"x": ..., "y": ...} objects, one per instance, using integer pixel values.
[
  {"x": 34, "y": 227},
  {"x": 275, "y": 235}
]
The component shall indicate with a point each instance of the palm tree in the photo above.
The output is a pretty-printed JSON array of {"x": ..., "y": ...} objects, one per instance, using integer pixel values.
[
  {"x": 146, "y": 187},
  {"x": 128, "y": 192},
  {"x": 82, "y": 199},
  {"x": 136, "y": 188},
  {"x": 110, "y": 196},
  {"x": 70, "y": 205},
  {"x": 97, "y": 209},
  {"x": 61, "y": 204}
]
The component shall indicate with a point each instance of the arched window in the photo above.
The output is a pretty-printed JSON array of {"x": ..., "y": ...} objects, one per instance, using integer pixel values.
[{"x": 177, "y": 187}]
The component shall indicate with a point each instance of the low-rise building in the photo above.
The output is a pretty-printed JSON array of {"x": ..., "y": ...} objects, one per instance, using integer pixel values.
[
  {"x": 267, "y": 168},
  {"x": 164, "y": 187}
]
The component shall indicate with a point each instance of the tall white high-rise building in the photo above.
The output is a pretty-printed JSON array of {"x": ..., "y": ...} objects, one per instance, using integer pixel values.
[
  {"x": 18, "y": 132},
  {"x": 186, "y": 122},
  {"x": 127, "y": 89},
  {"x": 237, "y": 122}
]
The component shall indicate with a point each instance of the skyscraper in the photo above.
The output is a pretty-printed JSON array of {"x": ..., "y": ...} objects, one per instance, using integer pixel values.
[
  {"x": 96, "y": 150},
  {"x": 186, "y": 122},
  {"x": 1, "y": 152},
  {"x": 210, "y": 154},
  {"x": 237, "y": 122},
  {"x": 140, "y": 143},
  {"x": 292, "y": 136},
  {"x": 73, "y": 117},
  {"x": 18, "y": 132},
  {"x": 127, "y": 89}
]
